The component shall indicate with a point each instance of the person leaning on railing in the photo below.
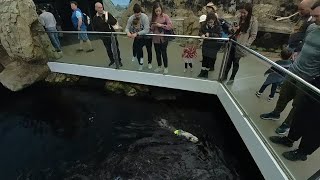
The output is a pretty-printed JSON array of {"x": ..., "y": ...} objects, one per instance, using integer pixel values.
[
  {"x": 244, "y": 32},
  {"x": 145, "y": 29},
  {"x": 305, "y": 125},
  {"x": 306, "y": 66},
  {"x": 103, "y": 21}
]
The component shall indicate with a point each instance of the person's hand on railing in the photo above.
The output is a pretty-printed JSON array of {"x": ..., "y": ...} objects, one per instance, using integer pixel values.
[
  {"x": 134, "y": 35},
  {"x": 129, "y": 34}
]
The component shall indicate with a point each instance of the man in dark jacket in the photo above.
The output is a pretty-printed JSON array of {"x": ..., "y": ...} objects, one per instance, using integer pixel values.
[
  {"x": 297, "y": 36},
  {"x": 103, "y": 21},
  {"x": 305, "y": 125}
]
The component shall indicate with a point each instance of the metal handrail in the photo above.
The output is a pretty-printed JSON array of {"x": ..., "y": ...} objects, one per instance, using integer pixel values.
[
  {"x": 294, "y": 76},
  {"x": 123, "y": 33},
  {"x": 278, "y": 67}
]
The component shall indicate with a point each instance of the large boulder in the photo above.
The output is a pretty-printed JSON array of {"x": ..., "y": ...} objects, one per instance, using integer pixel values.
[
  {"x": 19, "y": 75},
  {"x": 18, "y": 31},
  {"x": 27, "y": 48}
]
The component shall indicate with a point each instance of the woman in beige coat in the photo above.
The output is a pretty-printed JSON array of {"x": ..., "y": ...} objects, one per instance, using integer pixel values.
[{"x": 244, "y": 32}]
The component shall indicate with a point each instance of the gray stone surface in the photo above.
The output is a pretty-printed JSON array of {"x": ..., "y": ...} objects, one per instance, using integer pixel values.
[
  {"x": 19, "y": 75},
  {"x": 23, "y": 43}
]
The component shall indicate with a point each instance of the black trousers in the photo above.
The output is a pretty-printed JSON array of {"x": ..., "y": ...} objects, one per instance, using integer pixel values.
[
  {"x": 144, "y": 42},
  {"x": 161, "y": 52},
  {"x": 138, "y": 44},
  {"x": 107, "y": 43},
  {"x": 273, "y": 89},
  {"x": 232, "y": 61},
  {"x": 207, "y": 61},
  {"x": 306, "y": 124},
  {"x": 148, "y": 43},
  {"x": 290, "y": 90}
]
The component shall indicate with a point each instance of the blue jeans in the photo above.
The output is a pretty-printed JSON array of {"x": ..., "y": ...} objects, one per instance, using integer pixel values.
[{"x": 54, "y": 37}]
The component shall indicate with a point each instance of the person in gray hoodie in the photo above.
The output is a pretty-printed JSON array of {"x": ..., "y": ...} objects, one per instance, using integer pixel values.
[{"x": 145, "y": 28}]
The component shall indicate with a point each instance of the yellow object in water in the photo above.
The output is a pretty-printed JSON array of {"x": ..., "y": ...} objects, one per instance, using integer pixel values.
[{"x": 177, "y": 132}]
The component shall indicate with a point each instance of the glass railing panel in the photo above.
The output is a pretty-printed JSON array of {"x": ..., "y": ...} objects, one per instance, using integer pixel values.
[
  {"x": 70, "y": 50},
  {"x": 248, "y": 81},
  {"x": 176, "y": 63}
]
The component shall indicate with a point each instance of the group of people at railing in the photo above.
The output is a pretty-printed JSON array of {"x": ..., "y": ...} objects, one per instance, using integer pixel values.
[
  {"x": 301, "y": 56},
  {"x": 303, "y": 119},
  {"x": 139, "y": 24}
]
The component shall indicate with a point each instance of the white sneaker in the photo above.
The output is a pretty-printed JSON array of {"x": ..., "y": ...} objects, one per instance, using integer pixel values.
[
  {"x": 166, "y": 71},
  {"x": 140, "y": 67},
  {"x": 191, "y": 69},
  {"x": 185, "y": 70},
  {"x": 150, "y": 66},
  {"x": 159, "y": 69},
  {"x": 141, "y": 60},
  {"x": 134, "y": 59}
]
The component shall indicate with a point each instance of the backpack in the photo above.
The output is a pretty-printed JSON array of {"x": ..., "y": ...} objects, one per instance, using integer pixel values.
[
  {"x": 225, "y": 27},
  {"x": 86, "y": 19}
]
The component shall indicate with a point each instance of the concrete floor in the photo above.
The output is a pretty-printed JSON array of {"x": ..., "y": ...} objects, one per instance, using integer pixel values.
[{"x": 248, "y": 81}]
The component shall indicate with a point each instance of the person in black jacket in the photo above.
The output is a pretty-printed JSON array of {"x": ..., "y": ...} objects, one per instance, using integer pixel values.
[
  {"x": 210, "y": 48},
  {"x": 305, "y": 125},
  {"x": 103, "y": 21}
]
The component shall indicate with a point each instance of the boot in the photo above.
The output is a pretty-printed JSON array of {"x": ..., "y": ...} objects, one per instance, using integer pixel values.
[
  {"x": 205, "y": 74},
  {"x": 201, "y": 73}
]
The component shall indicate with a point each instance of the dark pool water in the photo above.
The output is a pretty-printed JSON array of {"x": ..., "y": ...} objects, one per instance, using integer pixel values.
[{"x": 49, "y": 132}]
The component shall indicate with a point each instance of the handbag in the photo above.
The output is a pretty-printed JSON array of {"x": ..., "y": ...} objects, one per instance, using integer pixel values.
[{"x": 169, "y": 32}]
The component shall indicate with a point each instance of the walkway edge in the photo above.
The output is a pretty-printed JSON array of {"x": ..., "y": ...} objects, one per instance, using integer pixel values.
[{"x": 266, "y": 162}]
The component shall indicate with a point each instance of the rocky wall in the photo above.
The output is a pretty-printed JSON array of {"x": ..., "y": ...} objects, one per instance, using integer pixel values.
[{"x": 28, "y": 49}]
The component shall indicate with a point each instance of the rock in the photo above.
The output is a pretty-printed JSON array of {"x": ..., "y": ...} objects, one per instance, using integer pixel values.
[
  {"x": 27, "y": 48},
  {"x": 111, "y": 8},
  {"x": 1, "y": 68},
  {"x": 18, "y": 32},
  {"x": 19, "y": 75},
  {"x": 126, "y": 88},
  {"x": 164, "y": 156},
  {"x": 58, "y": 78}
]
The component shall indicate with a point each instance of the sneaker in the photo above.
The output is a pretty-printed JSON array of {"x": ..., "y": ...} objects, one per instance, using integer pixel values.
[
  {"x": 258, "y": 94},
  {"x": 270, "y": 99},
  {"x": 270, "y": 116},
  {"x": 111, "y": 63},
  {"x": 295, "y": 155},
  {"x": 90, "y": 50},
  {"x": 283, "y": 129},
  {"x": 185, "y": 70},
  {"x": 120, "y": 64},
  {"x": 165, "y": 71},
  {"x": 191, "y": 69},
  {"x": 159, "y": 69},
  {"x": 149, "y": 66},
  {"x": 140, "y": 67},
  {"x": 283, "y": 140},
  {"x": 59, "y": 51},
  {"x": 141, "y": 60},
  {"x": 134, "y": 59}
]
